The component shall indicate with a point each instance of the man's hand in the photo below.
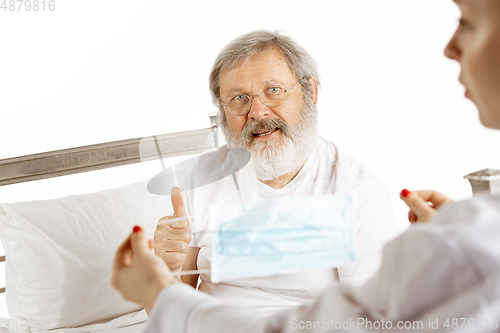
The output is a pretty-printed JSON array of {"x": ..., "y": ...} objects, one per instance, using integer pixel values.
[
  {"x": 418, "y": 201},
  {"x": 172, "y": 239},
  {"x": 138, "y": 274}
]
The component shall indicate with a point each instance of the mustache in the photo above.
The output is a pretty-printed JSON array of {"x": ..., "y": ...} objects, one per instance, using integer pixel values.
[{"x": 267, "y": 124}]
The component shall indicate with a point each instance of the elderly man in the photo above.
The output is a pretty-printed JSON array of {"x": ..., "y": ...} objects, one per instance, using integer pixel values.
[{"x": 266, "y": 88}]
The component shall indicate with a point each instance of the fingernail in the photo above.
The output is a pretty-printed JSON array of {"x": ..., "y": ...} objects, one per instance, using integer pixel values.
[
  {"x": 137, "y": 228},
  {"x": 405, "y": 193},
  {"x": 175, "y": 191}
]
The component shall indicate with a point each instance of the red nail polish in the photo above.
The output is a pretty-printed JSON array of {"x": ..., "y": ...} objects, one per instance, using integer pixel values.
[
  {"x": 137, "y": 228},
  {"x": 405, "y": 193}
]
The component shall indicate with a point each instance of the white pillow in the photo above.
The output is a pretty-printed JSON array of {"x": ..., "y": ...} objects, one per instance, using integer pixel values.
[{"x": 59, "y": 254}]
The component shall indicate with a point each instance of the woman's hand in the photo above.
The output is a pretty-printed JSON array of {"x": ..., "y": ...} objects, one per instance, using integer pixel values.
[
  {"x": 138, "y": 274},
  {"x": 423, "y": 204}
]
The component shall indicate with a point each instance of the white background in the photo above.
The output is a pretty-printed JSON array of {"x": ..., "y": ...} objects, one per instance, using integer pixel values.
[{"x": 98, "y": 71}]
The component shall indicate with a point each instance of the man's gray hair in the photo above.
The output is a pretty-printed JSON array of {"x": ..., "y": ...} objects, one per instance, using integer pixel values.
[{"x": 257, "y": 42}]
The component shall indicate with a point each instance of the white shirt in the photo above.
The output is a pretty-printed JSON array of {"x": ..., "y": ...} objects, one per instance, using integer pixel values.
[
  {"x": 431, "y": 277},
  {"x": 327, "y": 170}
]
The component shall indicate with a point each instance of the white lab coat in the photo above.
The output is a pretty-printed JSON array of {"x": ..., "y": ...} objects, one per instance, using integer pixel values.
[{"x": 431, "y": 277}]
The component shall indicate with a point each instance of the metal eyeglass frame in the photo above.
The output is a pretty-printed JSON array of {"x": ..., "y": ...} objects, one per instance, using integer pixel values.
[{"x": 260, "y": 96}]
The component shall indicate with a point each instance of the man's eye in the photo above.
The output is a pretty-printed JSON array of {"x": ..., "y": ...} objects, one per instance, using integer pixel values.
[
  {"x": 239, "y": 98},
  {"x": 274, "y": 90}
]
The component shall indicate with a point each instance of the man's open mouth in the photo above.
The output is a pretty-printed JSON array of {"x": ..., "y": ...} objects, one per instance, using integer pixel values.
[{"x": 264, "y": 133}]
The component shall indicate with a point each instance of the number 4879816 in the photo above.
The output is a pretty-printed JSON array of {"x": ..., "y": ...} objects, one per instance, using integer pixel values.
[{"x": 28, "y": 5}]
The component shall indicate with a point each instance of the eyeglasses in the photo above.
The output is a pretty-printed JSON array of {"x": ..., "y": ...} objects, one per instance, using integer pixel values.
[{"x": 271, "y": 96}]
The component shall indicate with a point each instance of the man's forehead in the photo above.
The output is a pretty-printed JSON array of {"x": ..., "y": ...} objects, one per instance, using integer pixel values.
[
  {"x": 266, "y": 69},
  {"x": 235, "y": 87}
]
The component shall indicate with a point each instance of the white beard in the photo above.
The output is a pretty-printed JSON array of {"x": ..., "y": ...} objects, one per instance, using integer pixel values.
[{"x": 276, "y": 157}]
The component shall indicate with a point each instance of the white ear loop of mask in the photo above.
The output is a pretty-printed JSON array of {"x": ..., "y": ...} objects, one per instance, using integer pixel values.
[
  {"x": 180, "y": 219},
  {"x": 175, "y": 219},
  {"x": 193, "y": 272}
]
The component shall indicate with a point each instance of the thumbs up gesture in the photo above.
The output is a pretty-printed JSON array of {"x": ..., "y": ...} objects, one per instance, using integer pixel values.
[{"x": 171, "y": 240}]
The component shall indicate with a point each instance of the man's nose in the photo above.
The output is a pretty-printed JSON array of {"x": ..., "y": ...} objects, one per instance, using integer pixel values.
[{"x": 258, "y": 110}]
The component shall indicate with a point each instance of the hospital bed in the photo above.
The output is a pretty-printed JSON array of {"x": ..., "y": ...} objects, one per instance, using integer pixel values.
[{"x": 59, "y": 251}]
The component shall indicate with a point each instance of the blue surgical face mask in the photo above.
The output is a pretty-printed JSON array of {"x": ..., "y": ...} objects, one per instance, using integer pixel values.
[{"x": 282, "y": 235}]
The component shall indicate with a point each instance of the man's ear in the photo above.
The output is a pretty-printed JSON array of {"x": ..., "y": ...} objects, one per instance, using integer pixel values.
[{"x": 315, "y": 86}]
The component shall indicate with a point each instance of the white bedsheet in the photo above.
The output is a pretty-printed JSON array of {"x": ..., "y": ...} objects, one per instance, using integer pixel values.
[{"x": 130, "y": 323}]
